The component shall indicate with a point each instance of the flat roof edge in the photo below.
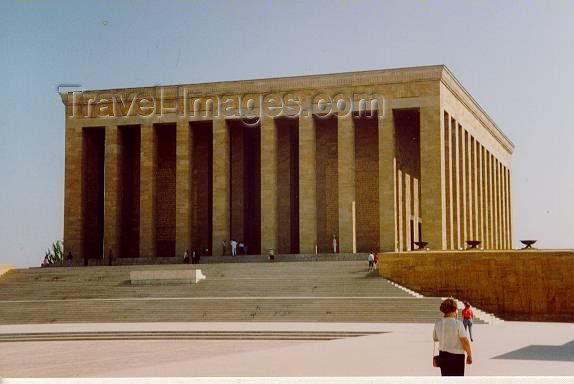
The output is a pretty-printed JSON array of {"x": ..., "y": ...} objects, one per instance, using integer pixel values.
[
  {"x": 455, "y": 86},
  {"x": 428, "y": 72}
]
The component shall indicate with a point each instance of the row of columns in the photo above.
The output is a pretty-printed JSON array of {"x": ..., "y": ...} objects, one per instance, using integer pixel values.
[
  {"x": 432, "y": 184},
  {"x": 270, "y": 224},
  {"x": 477, "y": 191}
]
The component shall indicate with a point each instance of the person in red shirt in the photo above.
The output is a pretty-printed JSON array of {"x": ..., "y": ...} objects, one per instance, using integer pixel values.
[
  {"x": 467, "y": 317},
  {"x": 376, "y": 261}
]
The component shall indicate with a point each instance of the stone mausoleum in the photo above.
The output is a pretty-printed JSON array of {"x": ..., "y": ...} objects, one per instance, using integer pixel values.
[{"x": 378, "y": 159}]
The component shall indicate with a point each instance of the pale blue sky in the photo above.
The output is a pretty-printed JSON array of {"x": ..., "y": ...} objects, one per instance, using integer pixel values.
[{"x": 515, "y": 57}]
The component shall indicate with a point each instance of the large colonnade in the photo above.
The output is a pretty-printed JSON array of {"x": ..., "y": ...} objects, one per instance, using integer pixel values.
[{"x": 422, "y": 164}]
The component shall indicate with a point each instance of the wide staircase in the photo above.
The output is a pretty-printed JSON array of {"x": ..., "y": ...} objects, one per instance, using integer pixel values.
[{"x": 326, "y": 291}]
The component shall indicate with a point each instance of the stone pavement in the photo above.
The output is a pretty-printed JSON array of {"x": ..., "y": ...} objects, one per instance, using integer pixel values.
[{"x": 507, "y": 348}]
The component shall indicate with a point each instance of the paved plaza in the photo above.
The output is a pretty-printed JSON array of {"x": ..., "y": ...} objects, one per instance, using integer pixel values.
[{"x": 501, "y": 349}]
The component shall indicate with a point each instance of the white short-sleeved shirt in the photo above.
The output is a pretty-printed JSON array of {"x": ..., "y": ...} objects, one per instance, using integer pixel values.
[{"x": 448, "y": 331}]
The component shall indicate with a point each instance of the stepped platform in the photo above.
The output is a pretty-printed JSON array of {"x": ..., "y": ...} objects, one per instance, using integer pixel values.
[
  {"x": 240, "y": 258},
  {"x": 329, "y": 291}
]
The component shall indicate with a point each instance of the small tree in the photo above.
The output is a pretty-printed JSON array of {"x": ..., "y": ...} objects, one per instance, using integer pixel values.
[{"x": 56, "y": 254}]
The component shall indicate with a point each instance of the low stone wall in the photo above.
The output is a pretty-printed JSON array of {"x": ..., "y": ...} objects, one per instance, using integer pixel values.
[
  {"x": 535, "y": 285},
  {"x": 5, "y": 268},
  {"x": 186, "y": 276}
]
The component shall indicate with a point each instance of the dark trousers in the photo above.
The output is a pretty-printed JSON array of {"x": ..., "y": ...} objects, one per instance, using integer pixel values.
[
  {"x": 468, "y": 325},
  {"x": 451, "y": 364}
]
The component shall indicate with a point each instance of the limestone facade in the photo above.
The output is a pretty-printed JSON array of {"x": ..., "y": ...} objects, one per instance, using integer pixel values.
[{"x": 376, "y": 159}]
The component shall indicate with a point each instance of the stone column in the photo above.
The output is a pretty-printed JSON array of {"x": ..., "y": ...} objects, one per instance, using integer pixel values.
[
  {"x": 416, "y": 208},
  {"x": 148, "y": 166},
  {"x": 498, "y": 205},
  {"x": 509, "y": 198},
  {"x": 456, "y": 185},
  {"x": 388, "y": 240},
  {"x": 220, "y": 185},
  {"x": 183, "y": 167},
  {"x": 448, "y": 184},
  {"x": 73, "y": 199},
  {"x": 505, "y": 200},
  {"x": 407, "y": 212},
  {"x": 346, "y": 182},
  {"x": 501, "y": 222},
  {"x": 490, "y": 201},
  {"x": 307, "y": 183},
  {"x": 433, "y": 202},
  {"x": 463, "y": 188},
  {"x": 469, "y": 190},
  {"x": 269, "y": 218},
  {"x": 112, "y": 192},
  {"x": 481, "y": 192},
  {"x": 475, "y": 186},
  {"x": 400, "y": 211}
]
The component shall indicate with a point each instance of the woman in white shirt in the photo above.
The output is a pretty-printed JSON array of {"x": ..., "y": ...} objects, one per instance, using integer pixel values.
[{"x": 453, "y": 343}]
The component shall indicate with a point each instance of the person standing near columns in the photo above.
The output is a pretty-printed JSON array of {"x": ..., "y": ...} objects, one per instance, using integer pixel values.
[
  {"x": 223, "y": 247},
  {"x": 467, "y": 316},
  {"x": 334, "y": 243},
  {"x": 233, "y": 245}
]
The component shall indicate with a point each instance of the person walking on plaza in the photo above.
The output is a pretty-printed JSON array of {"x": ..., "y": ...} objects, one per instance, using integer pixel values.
[
  {"x": 453, "y": 343},
  {"x": 70, "y": 259},
  {"x": 376, "y": 261},
  {"x": 233, "y": 245},
  {"x": 371, "y": 262},
  {"x": 467, "y": 316},
  {"x": 186, "y": 257},
  {"x": 334, "y": 243},
  {"x": 223, "y": 247}
]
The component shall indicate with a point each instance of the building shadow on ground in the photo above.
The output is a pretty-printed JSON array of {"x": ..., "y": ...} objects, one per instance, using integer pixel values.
[{"x": 563, "y": 352}]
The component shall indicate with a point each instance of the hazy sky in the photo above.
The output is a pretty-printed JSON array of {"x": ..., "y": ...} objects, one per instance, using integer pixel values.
[{"x": 514, "y": 56}]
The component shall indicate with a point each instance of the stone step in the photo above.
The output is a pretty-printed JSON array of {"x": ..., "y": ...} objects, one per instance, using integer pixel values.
[
  {"x": 327, "y": 291},
  {"x": 181, "y": 335}
]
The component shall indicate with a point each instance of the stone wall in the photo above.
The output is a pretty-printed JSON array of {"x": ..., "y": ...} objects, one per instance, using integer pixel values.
[{"x": 515, "y": 285}]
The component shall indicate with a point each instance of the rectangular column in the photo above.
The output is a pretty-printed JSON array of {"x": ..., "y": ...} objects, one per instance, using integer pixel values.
[
  {"x": 346, "y": 183},
  {"x": 433, "y": 201},
  {"x": 73, "y": 199},
  {"x": 112, "y": 192},
  {"x": 490, "y": 173},
  {"x": 469, "y": 190},
  {"x": 448, "y": 184},
  {"x": 220, "y": 186},
  {"x": 400, "y": 211},
  {"x": 307, "y": 183},
  {"x": 407, "y": 212},
  {"x": 387, "y": 183},
  {"x": 496, "y": 204},
  {"x": 456, "y": 186},
  {"x": 463, "y": 189},
  {"x": 183, "y": 167},
  {"x": 148, "y": 166},
  {"x": 505, "y": 202},
  {"x": 500, "y": 205},
  {"x": 269, "y": 217},
  {"x": 416, "y": 205},
  {"x": 480, "y": 189},
  {"x": 475, "y": 189},
  {"x": 509, "y": 198}
]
